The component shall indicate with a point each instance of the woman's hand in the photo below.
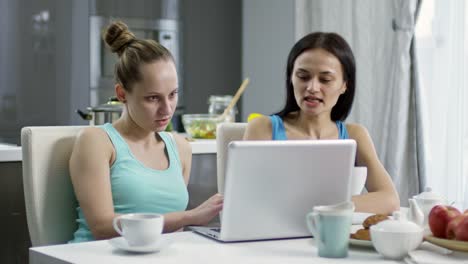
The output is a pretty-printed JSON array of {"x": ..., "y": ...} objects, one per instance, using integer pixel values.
[{"x": 206, "y": 211}]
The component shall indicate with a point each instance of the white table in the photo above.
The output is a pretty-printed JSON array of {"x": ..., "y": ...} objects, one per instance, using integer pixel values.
[{"x": 187, "y": 247}]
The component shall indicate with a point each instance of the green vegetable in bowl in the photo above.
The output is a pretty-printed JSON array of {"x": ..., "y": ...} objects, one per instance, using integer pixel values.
[{"x": 202, "y": 129}]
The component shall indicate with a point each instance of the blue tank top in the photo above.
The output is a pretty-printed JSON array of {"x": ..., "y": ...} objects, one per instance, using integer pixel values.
[
  {"x": 279, "y": 132},
  {"x": 137, "y": 188}
]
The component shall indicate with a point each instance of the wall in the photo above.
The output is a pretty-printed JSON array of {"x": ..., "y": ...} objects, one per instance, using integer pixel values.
[
  {"x": 44, "y": 74},
  {"x": 211, "y": 31},
  {"x": 267, "y": 36},
  {"x": 43, "y": 70},
  {"x": 79, "y": 66}
]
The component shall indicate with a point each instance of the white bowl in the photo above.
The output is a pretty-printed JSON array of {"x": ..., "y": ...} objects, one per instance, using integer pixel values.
[
  {"x": 358, "y": 180},
  {"x": 393, "y": 239},
  {"x": 395, "y": 245}
]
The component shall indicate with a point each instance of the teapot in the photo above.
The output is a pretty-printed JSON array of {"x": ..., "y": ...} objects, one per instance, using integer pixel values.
[{"x": 426, "y": 200}]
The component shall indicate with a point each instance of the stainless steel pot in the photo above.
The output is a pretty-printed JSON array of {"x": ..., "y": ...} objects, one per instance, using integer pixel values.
[{"x": 104, "y": 113}]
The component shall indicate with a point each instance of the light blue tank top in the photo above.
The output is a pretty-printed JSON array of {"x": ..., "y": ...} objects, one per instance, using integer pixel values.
[
  {"x": 137, "y": 188},
  {"x": 279, "y": 132}
]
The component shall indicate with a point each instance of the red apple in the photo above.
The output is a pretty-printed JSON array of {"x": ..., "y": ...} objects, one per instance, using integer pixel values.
[
  {"x": 452, "y": 226},
  {"x": 439, "y": 217},
  {"x": 461, "y": 231}
]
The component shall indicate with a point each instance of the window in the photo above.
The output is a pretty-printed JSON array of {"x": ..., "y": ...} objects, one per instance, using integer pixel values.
[{"x": 442, "y": 51}]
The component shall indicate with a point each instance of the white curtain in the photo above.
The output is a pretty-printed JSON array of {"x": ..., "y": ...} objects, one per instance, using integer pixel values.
[
  {"x": 442, "y": 39},
  {"x": 380, "y": 34}
]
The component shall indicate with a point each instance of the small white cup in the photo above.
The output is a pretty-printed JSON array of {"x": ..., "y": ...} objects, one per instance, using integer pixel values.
[
  {"x": 140, "y": 229},
  {"x": 358, "y": 180}
]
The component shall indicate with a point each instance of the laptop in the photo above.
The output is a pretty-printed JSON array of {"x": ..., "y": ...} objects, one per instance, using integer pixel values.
[{"x": 272, "y": 185}]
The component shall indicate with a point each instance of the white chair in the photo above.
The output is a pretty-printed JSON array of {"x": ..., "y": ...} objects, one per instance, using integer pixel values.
[
  {"x": 225, "y": 133},
  {"x": 48, "y": 192}
]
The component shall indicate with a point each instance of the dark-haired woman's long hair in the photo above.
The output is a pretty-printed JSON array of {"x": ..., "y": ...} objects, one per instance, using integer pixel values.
[{"x": 336, "y": 45}]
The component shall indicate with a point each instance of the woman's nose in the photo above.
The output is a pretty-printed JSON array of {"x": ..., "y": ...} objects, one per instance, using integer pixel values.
[
  {"x": 165, "y": 107},
  {"x": 313, "y": 85}
]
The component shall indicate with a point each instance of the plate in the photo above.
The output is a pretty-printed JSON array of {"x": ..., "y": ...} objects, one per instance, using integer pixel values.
[
  {"x": 121, "y": 243},
  {"x": 361, "y": 243},
  {"x": 448, "y": 243},
  {"x": 359, "y": 217}
]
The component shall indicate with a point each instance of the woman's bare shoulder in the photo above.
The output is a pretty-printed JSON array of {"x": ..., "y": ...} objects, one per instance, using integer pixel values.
[
  {"x": 258, "y": 128},
  {"x": 92, "y": 151},
  {"x": 93, "y": 138},
  {"x": 365, "y": 146},
  {"x": 182, "y": 142},
  {"x": 91, "y": 133},
  {"x": 356, "y": 131}
]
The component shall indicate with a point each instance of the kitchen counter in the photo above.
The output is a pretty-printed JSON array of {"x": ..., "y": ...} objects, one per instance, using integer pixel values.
[
  {"x": 203, "y": 146},
  {"x": 9, "y": 153}
]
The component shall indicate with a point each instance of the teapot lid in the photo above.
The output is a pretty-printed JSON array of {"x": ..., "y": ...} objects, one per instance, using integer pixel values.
[
  {"x": 397, "y": 225},
  {"x": 428, "y": 195}
]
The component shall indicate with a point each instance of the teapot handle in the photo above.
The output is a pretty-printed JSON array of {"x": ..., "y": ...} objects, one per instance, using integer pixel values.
[{"x": 85, "y": 116}]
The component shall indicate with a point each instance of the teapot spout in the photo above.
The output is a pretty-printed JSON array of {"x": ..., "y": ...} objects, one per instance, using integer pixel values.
[{"x": 415, "y": 213}]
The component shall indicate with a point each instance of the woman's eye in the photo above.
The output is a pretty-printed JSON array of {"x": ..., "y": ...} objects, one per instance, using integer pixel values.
[
  {"x": 302, "y": 77},
  {"x": 152, "y": 98},
  {"x": 325, "y": 80}
]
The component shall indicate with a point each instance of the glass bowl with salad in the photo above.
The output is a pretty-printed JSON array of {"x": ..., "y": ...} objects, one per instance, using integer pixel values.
[{"x": 202, "y": 126}]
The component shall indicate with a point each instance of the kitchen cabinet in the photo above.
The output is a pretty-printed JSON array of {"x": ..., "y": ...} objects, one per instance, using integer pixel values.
[{"x": 14, "y": 232}]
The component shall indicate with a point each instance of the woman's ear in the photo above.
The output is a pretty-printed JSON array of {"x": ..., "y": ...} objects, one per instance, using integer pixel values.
[
  {"x": 121, "y": 93},
  {"x": 344, "y": 88}
]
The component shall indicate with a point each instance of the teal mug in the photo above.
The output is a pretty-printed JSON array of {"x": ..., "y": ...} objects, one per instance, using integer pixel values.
[{"x": 331, "y": 226}]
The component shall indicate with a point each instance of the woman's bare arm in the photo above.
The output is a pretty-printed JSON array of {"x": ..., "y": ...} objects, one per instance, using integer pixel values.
[
  {"x": 89, "y": 171},
  {"x": 382, "y": 196}
]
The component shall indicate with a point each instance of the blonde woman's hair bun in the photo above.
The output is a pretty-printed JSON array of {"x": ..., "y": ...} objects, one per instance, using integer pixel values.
[
  {"x": 118, "y": 37},
  {"x": 133, "y": 53}
]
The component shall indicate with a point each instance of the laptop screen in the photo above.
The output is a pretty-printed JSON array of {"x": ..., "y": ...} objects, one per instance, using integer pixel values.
[{"x": 272, "y": 185}]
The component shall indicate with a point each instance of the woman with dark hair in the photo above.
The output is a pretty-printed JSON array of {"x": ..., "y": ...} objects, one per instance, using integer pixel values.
[{"x": 320, "y": 87}]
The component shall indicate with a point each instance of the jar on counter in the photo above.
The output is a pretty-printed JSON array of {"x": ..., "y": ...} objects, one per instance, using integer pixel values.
[{"x": 217, "y": 105}]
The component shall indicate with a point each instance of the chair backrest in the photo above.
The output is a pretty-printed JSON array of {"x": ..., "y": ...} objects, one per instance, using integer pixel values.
[
  {"x": 48, "y": 192},
  {"x": 225, "y": 133}
]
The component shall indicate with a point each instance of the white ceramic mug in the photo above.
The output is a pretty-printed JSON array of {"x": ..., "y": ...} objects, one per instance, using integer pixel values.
[
  {"x": 358, "y": 180},
  {"x": 139, "y": 229}
]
